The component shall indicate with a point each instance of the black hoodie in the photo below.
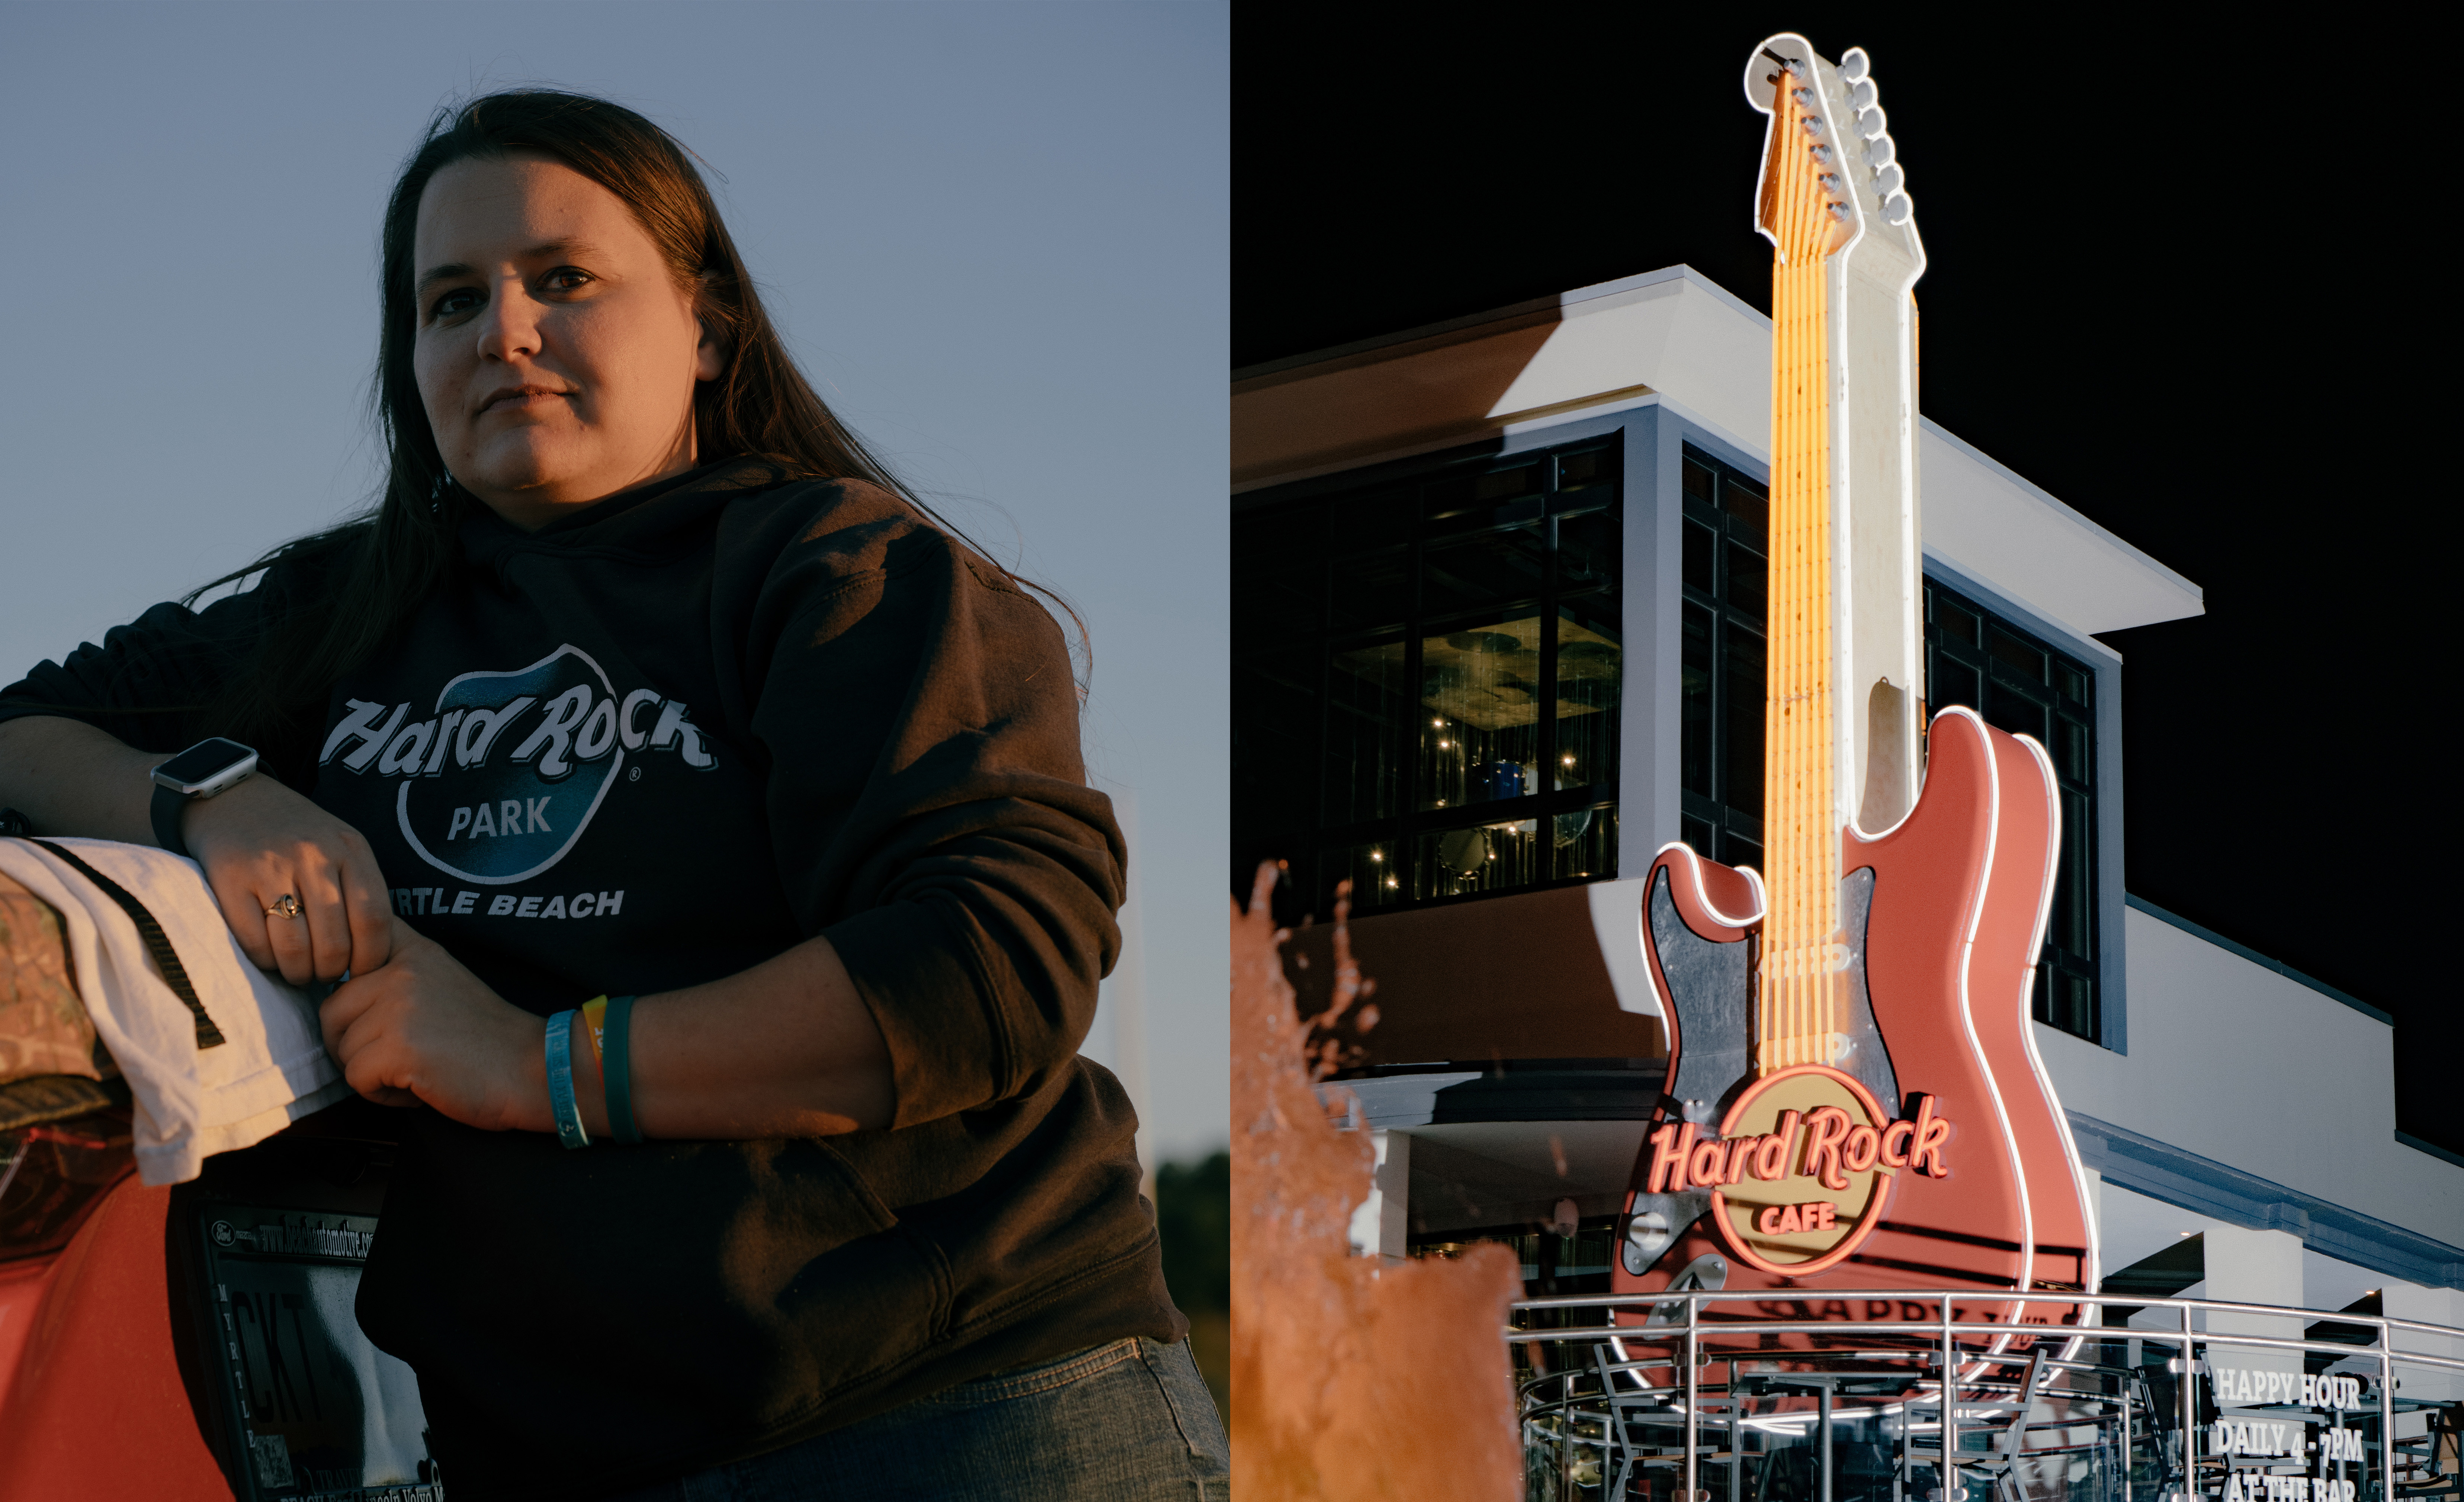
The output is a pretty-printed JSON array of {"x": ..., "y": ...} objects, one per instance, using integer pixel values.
[{"x": 653, "y": 744}]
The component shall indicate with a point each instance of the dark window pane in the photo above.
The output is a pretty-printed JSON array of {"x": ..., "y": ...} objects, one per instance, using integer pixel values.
[
  {"x": 1699, "y": 834},
  {"x": 1367, "y": 708},
  {"x": 1585, "y": 843},
  {"x": 1274, "y": 703},
  {"x": 1283, "y": 597},
  {"x": 2066, "y": 1001},
  {"x": 1747, "y": 503},
  {"x": 1749, "y": 581},
  {"x": 1737, "y": 849},
  {"x": 1592, "y": 467},
  {"x": 1499, "y": 484},
  {"x": 1480, "y": 721},
  {"x": 1950, "y": 682},
  {"x": 1742, "y": 692},
  {"x": 1485, "y": 858},
  {"x": 1957, "y": 624},
  {"x": 2016, "y": 655},
  {"x": 1587, "y": 549},
  {"x": 1699, "y": 545},
  {"x": 2009, "y": 709},
  {"x": 2076, "y": 879},
  {"x": 1378, "y": 520},
  {"x": 1700, "y": 482},
  {"x": 1696, "y": 705},
  {"x": 1372, "y": 594},
  {"x": 1589, "y": 668},
  {"x": 1374, "y": 873},
  {"x": 1474, "y": 501},
  {"x": 1279, "y": 532},
  {"x": 2073, "y": 682},
  {"x": 2070, "y": 751},
  {"x": 1490, "y": 569}
]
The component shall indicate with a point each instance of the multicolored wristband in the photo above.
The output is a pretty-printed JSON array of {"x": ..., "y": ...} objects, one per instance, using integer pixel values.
[
  {"x": 569, "y": 1129},
  {"x": 609, "y": 1021}
]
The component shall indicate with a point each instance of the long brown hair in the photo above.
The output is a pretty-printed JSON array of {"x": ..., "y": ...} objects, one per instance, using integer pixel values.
[{"x": 367, "y": 577}]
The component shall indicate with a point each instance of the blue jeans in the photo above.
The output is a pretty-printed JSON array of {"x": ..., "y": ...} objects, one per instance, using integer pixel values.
[{"x": 1129, "y": 1421}]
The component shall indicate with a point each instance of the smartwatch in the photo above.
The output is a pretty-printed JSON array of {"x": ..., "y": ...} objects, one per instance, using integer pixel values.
[{"x": 202, "y": 771}]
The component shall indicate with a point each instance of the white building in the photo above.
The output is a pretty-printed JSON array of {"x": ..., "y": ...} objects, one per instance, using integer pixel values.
[{"x": 1468, "y": 551}]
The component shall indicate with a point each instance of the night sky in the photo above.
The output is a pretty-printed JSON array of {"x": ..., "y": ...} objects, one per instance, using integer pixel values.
[{"x": 2184, "y": 280}]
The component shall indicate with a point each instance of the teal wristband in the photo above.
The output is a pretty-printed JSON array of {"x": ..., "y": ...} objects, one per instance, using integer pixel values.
[
  {"x": 569, "y": 1129},
  {"x": 616, "y": 1069}
]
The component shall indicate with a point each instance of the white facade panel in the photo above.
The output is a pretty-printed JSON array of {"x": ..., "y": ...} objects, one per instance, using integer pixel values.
[{"x": 2240, "y": 1064}]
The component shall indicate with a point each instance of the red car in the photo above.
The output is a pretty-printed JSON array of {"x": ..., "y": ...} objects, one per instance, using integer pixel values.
[{"x": 163, "y": 1344}]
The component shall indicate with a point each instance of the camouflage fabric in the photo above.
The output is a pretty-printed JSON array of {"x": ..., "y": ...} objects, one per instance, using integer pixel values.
[{"x": 43, "y": 1026}]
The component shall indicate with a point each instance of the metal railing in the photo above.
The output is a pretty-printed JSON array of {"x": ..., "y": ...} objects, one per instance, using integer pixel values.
[{"x": 1580, "y": 1419}]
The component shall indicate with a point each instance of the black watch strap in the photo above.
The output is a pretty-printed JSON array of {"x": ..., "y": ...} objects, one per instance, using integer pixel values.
[{"x": 168, "y": 804}]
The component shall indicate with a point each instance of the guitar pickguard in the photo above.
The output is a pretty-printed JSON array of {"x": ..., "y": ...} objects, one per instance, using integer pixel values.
[
  {"x": 1711, "y": 996},
  {"x": 1869, "y": 1055},
  {"x": 1711, "y": 987}
]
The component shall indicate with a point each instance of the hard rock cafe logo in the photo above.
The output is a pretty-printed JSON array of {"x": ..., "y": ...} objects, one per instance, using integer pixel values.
[{"x": 1802, "y": 1168}]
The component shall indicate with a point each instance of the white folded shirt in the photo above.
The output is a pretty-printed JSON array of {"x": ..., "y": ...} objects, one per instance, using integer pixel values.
[{"x": 272, "y": 1068}]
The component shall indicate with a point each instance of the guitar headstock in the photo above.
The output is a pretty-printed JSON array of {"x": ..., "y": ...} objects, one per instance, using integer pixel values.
[{"x": 1850, "y": 178}]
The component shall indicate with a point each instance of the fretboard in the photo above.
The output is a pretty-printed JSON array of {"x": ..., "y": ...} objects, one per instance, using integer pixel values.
[{"x": 1804, "y": 954}]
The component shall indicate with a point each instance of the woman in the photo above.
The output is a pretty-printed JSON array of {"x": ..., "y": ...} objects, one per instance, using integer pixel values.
[{"x": 643, "y": 679}]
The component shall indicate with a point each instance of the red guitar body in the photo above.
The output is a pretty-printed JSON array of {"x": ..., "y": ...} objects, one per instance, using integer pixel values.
[{"x": 1955, "y": 914}]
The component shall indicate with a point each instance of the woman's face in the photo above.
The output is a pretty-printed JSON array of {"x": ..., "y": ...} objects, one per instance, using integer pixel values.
[{"x": 556, "y": 356}]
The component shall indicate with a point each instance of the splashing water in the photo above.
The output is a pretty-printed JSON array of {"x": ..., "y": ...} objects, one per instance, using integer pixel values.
[{"x": 1350, "y": 1381}]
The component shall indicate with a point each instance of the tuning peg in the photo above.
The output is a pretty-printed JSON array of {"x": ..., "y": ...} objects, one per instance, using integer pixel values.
[
  {"x": 1804, "y": 97},
  {"x": 1862, "y": 96},
  {"x": 1880, "y": 151},
  {"x": 1897, "y": 210},
  {"x": 1855, "y": 65},
  {"x": 1829, "y": 183},
  {"x": 1870, "y": 123},
  {"x": 1821, "y": 153},
  {"x": 1890, "y": 179},
  {"x": 1838, "y": 212},
  {"x": 1813, "y": 124}
]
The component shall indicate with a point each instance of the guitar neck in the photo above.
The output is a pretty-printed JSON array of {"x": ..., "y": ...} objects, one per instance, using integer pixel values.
[
  {"x": 1803, "y": 952},
  {"x": 1845, "y": 648}
]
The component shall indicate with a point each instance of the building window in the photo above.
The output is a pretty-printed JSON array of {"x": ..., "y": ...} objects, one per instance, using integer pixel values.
[
  {"x": 1425, "y": 678},
  {"x": 1727, "y": 522},
  {"x": 2023, "y": 686}
]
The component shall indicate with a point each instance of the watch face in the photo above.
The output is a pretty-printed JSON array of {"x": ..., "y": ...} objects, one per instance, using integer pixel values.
[{"x": 199, "y": 763}]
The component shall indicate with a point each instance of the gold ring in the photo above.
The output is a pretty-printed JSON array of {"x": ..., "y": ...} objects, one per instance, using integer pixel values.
[{"x": 284, "y": 906}]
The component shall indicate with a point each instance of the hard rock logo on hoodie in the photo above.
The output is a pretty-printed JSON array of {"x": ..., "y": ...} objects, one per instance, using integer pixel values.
[{"x": 503, "y": 777}]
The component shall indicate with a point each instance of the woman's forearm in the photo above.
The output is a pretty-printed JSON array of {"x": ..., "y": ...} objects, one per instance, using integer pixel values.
[
  {"x": 258, "y": 844},
  {"x": 785, "y": 1048},
  {"x": 73, "y": 779}
]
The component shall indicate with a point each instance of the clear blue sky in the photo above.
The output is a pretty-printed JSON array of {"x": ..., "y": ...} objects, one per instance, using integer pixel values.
[{"x": 995, "y": 234}]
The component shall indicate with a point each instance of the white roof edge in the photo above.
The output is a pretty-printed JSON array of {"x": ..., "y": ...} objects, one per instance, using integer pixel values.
[
  {"x": 1681, "y": 272},
  {"x": 2062, "y": 508},
  {"x": 1564, "y": 301}
]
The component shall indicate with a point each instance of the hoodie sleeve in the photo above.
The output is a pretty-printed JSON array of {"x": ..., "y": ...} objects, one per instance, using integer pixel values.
[
  {"x": 151, "y": 682},
  {"x": 928, "y": 806}
]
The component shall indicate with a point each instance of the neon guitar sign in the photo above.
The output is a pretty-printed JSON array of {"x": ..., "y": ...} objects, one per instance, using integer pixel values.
[{"x": 1854, "y": 1096}]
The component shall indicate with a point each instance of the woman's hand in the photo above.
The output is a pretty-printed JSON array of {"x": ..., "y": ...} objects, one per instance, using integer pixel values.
[
  {"x": 423, "y": 1029},
  {"x": 260, "y": 840}
]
